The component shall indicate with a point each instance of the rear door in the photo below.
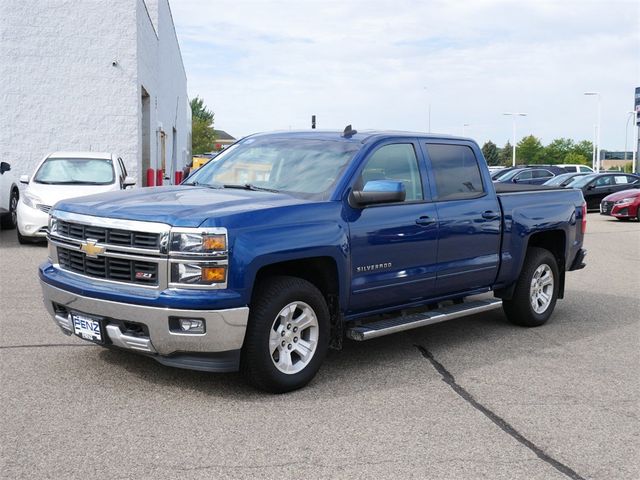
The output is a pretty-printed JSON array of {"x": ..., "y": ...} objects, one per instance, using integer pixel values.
[
  {"x": 598, "y": 189},
  {"x": 393, "y": 246},
  {"x": 469, "y": 217}
]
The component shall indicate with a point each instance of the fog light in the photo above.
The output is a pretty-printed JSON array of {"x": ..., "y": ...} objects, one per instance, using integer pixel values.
[{"x": 191, "y": 325}]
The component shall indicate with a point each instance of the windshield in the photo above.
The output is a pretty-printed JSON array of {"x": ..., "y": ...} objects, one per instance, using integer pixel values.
[
  {"x": 304, "y": 166},
  {"x": 75, "y": 171},
  {"x": 580, "y": 182},
  {"x": 561, "y": 179},
  {"x": 508, "y": 175}
]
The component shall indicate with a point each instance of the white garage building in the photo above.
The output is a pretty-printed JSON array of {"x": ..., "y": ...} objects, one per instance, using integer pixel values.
[{"x": 93, "y": 75}]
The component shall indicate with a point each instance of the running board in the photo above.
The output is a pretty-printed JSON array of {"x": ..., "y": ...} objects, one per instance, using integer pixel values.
[{"x": 407, "y": 322}]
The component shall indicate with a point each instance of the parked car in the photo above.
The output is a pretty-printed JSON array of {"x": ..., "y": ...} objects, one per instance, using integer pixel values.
[
  {"x": 290, "y": 241},
  {"x": 63, "y": 175},
  {"x": 563, "y": 179},
  {"x": 9, "y": 196},
  {"x": 622, "y": 205},
  {"x": 530, "y": 175},
  {"x": 575, "y": 168},
  {"x": 598, "y": 185}
]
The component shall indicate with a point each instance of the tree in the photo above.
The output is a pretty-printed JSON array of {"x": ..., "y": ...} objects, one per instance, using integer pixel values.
[
  {"x": 506, "y": 154},
  {"x": 557, "y": 150},
  {"x": 202, "y": 133},
  {"x": 584, "y": 148},
  {"x": 490, "y": 152},
  {"x": 573, "y": 158},
  {"x": 530, "y": 151}
]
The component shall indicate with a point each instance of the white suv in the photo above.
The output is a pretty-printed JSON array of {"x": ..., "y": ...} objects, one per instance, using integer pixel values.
[
  {"x": 63, "y": 175},
  {"x": 9, "y": 196},
  {"x": 575, "y": 168}
]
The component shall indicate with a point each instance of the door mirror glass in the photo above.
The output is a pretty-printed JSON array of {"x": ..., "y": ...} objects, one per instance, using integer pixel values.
[
  {"x": 378, "y": 191},
  {"x": 24, "y": 179},
  {"x": 4, "y": 167}
]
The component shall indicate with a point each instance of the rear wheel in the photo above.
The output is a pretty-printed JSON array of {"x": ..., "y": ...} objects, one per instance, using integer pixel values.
[
  {"x": 9, "y": 220},
  {"x": 536, "y": 292},
  {"x": 287, "y": 335}
]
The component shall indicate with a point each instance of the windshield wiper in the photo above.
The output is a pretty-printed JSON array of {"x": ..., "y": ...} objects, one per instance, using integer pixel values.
[
  {"x": 198, "y": 184},
  {"x": 249, "y": 186}
]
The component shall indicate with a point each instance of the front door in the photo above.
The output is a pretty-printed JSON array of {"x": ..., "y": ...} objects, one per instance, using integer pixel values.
[{"x": 393, "y": 246}]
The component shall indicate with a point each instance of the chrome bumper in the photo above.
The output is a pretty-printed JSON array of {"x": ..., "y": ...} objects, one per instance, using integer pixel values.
[{"x": 225, "y": 329}]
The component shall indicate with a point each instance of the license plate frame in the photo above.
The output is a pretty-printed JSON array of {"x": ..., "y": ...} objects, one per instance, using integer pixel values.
[{"x": 88, "y": 327}]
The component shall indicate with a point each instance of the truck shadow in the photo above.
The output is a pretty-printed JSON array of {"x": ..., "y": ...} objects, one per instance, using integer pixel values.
[{"x": 394, "y": 362}]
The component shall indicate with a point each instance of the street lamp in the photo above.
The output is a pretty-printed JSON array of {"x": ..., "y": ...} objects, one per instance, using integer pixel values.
[
  {"x": 464, "y": 128},
  {"x": 513, "y": 117},
  {"x": 630, "y": 115},
  {"x": 596, "y": 148},
  {"x": 428, "y": 108}
]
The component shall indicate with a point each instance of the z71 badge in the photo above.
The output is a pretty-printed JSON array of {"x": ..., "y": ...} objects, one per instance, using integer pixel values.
[{"x": 371, "y": 268}]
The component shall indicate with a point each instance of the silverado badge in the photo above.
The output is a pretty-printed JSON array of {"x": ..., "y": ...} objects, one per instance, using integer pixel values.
[{"x": 91, "y": 249}]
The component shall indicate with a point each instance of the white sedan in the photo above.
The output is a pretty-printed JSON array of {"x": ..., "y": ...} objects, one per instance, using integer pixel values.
[{"x": 63, "y": 175}]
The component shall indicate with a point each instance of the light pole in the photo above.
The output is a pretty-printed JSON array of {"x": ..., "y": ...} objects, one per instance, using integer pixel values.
[
  {"x": 513, "y": 116},
  {"x": 428, "y": 108},
  {"x": 464, "y": 128},
  {"x": 597, "y": 146},
  {"x": 630, "y": 115}
]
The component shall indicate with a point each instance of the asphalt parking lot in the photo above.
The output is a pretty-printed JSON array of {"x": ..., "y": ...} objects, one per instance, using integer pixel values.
[{"x": 471, "y": 398}]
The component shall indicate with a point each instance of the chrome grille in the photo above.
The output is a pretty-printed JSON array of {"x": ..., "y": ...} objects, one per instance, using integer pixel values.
[
  {"x": 111, "y": 236},
  {"x": 109, "y": 268}
]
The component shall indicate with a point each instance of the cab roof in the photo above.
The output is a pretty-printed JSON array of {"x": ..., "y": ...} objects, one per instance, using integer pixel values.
[{"x": 362, "y": 136}]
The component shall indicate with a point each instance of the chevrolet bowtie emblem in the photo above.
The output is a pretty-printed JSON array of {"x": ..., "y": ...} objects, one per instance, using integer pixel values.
[{"x": 91, "y": 249}]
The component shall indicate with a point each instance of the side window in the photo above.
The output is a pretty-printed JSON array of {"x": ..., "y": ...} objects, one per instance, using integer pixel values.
[
  {"x": 396, "y": 162},
  {"x": 542, "y": 174},
  {"x": 124, "y": 170},
  {"x": 633, "y": 180},
  {"x": 620, "y": 179},
  {"x": 603, "y": 181},
  {"x": 456, "y": 171},
  {"x": 585, "y": 169},
  {"x": 526, "y": 175}
]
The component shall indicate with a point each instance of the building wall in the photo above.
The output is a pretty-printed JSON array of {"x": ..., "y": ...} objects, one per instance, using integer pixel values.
[
  {"x": 59, "y": 89},
  {"x": 71, "y": 78}
]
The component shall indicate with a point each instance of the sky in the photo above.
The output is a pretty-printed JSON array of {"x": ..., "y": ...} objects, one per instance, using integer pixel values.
[{"x": 378, "y": 64}]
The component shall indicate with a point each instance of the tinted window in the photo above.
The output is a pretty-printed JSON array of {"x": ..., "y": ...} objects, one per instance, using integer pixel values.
[
  {"x": 526, "y": 175},
  {"x": 585, "y": 169},
  {"x": 542, "y": 174},
  {"x": 396, "y": 162},
  {"x": 604, "y": 181},
  {"x": 456, "y": 171}
]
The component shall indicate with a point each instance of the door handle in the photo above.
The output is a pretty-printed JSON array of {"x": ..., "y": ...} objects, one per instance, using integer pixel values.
[
  {"x": 425, "y": 220},
  {"x": 489, "y": 215}
]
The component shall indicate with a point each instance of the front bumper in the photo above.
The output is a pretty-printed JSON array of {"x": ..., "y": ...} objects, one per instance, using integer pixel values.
[
  {"x": 146, "y": 330},
  {"x": 32, "y": 222}
]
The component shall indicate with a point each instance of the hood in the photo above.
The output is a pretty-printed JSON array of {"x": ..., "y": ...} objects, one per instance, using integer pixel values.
[
  {"x": 181, "y": 206},
  {"x": 633, "y": 192},
  {"x": 51, "y": 194}
]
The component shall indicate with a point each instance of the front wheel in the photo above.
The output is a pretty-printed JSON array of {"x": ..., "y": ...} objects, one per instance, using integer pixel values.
[
  {"x": 536, "y": 292},
  {"x": 287, "y": 335},
  {"x": 9, "y": 220}
]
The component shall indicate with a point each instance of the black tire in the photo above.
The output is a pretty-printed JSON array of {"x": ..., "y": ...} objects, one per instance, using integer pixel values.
[
  {"x": 22, "y": 240},
  {"x": 257, "y": 362},
  {"x": 519, "y": 308},
  {"x": 624, "y": 219},
  {"x": 9, "y": 220}
]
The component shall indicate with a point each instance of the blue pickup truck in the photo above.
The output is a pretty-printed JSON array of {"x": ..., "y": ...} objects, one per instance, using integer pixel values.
[{"x": 291, "y": 242}]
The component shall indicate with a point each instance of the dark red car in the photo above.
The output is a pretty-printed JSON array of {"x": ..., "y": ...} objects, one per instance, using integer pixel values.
[{"x": 622, "y": 205}]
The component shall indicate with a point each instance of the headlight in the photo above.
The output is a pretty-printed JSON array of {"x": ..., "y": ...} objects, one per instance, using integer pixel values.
[
  {"x": 30, "y": 200},
  {"x": 202, "y": 243},
  {"x": 53, "y": 224},
  {"x": 198, "y": 273},
  {"x": 625, "y": 200}
]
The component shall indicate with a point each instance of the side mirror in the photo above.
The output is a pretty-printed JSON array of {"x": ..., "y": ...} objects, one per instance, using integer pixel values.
[
  {"x": 129, "y": 181},
  {"x": 4, "y": 167},
  {"x": 378, "y": 191},
  {"x": 24, "y": 179},
  {"x": 591, "y": 187},
  {"x": 515, "y": 180}
]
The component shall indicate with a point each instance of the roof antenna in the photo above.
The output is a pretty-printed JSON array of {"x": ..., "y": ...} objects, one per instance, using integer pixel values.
[{"x": 349, "y": 132}]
